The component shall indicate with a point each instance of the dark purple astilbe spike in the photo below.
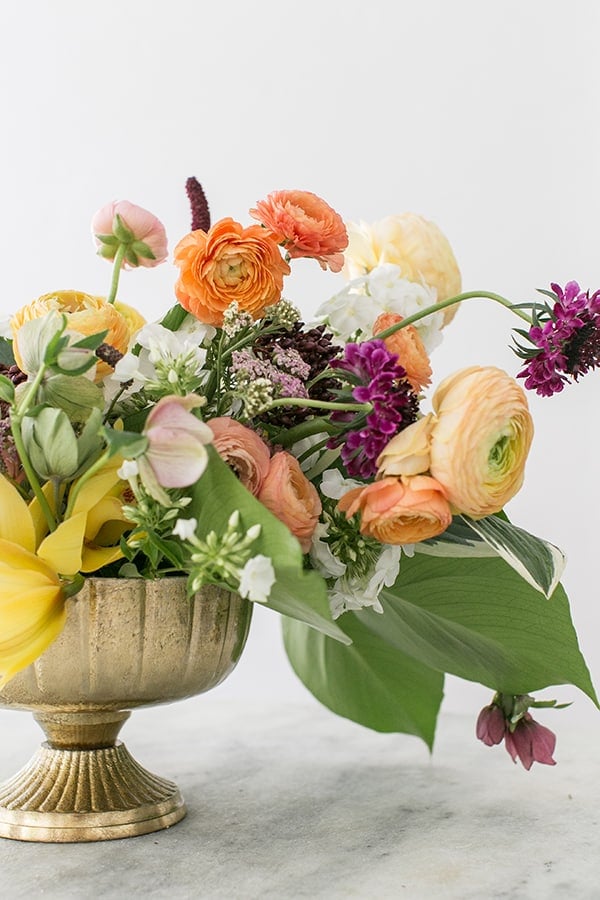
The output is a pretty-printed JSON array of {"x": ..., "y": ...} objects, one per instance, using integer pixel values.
[{"x": 198, "y": 204}]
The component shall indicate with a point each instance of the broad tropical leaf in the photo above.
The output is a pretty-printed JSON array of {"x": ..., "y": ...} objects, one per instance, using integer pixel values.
[{"x": 370, "y": 682}]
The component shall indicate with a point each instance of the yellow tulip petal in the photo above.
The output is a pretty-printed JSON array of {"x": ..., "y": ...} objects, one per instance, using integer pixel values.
[
  {"x": 97, "y": 487},
  {"x": 93, "y": 558},
  {"x": 109, "y": 509},
  {"x": 13, "y": 556},
  {"x": 26, "y": 607},
  {"x": 22, "y": 649},
  {"x": 16, "y": 524},
  {"x": 62, "y": 548},
  {"x": 35, "y": 510}
]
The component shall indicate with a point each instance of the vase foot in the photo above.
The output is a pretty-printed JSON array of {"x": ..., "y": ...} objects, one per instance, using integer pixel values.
[{"x": 65, "y": 796}]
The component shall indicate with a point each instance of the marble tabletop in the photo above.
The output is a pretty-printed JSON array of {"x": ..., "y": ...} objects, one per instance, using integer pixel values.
[{"x": 288, "y": 801}]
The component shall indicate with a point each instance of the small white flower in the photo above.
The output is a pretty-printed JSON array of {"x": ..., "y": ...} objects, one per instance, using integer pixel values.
[
  {"x": 256, "y": 579},
  {"x": 128, "y": 469},
  {"x": 334, "y": 485},
  {"x": 358, "y": 593},
  {"x": 185, "y": 529},
  {"x": 326, "y": 564}
]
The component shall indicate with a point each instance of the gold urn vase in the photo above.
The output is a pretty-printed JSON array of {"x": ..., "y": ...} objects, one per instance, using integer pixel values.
[{"x": 126, "y": 643}]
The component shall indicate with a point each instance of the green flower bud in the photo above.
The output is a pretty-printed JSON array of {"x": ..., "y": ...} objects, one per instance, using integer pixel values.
[{"x": 54, "y": 448}]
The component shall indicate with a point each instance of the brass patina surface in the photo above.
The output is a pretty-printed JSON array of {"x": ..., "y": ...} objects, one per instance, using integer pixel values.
[{"x": 126, "y": 643}]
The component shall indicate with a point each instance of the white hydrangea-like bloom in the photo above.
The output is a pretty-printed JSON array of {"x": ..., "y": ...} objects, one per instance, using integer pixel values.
[
  {"x": 355, "y": 308},
  {"x": 359, "y": 593}
]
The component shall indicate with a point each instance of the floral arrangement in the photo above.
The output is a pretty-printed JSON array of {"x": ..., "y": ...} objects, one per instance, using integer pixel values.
[{"x": 308, "y": 467}]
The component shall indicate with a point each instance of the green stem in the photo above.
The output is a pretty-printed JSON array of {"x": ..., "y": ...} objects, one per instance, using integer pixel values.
[
  {"x": 118, "y": 262},
  {"x": 75, "y": 490},
  {"x": 16, "y": 418},
  {"x": 486, "y": 295},
  {"x": 289, "y": 436},
  {"x": 304, "y": 402}
]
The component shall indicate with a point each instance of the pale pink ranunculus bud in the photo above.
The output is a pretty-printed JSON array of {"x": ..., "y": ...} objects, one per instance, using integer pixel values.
[
  {"x": 144, "y": 234},
  {"x": 290, "y": 496},
  {"x": 242, "y": 450},
  {"x": 176, "y": 455}
]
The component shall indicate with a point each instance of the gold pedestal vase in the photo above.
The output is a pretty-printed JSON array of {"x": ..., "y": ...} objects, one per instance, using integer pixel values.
[{"x": 126, "y": 643}]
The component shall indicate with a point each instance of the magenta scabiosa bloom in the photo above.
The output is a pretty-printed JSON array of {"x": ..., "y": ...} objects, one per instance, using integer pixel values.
[
  {"x": 565, "y": 338},
  {"x": 378, "y": 379}
]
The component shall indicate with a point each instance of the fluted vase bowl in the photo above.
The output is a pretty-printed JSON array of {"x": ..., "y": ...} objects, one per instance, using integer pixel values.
[{"x": 126, "y": 643}]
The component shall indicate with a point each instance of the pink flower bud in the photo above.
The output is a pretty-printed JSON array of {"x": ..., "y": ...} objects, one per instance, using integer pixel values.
[
  {"x": 147, "y": 244},
  {"x": 530, "y": 742},
  {"x": 176, "y": 455},
  {"x": 490, "y": 725}
]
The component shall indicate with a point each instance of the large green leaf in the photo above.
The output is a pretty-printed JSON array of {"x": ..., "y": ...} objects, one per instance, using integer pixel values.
[
  {"x": 478, "y": 619},
  {"x": 370, "y": 682},
  {"x": 297, "y": 592}
]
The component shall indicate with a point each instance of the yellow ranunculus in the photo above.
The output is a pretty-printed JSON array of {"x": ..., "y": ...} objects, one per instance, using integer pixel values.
[
  {"x": 411, "y": 242},
  {"x": 35, "y": 566},
  {"x": 87, "y": 315},
  {"x": 480, "y": 440}
]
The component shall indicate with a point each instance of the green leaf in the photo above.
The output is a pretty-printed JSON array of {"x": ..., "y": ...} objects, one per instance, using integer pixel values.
[
  {"x": 297, "y": 592},
  {"x": 92, "y": 342},
  {"x": 174, "y": 317},
  {"x": 7, "y": 357},
  {"x": 540, "y": 563},
  {"x": 129, "y": 444},
  {"x": 7, "y": 389},
  {"x": 476, "y": 618},
  {"x": 74, "y": 394},
  {"x": 370, "y": 682}
]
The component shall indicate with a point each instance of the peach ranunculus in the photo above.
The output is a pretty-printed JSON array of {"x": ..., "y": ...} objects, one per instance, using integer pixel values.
[
  {"x": 481, "y": 439},
  {"x": 242, "y": 450},
  {"x": 144, "y": 228},
  {"x": 290, "y": 496},
  {"x": 227, "y": 263},
  {"x": 408, "y": 452},
  {"x": 399, "y": 510},
  {"x": 411, "y": 242},
  {"x": 306, "y": 225},
  {"x": 408, "y": 347},
  {"x": 86, "y": 314}
]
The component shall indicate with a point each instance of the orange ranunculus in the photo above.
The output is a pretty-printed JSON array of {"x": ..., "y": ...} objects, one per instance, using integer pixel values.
[
  {"x": 87, "y": 315},
  {"x": 242, "y": 450},
  {"x": 229, "y": 263},
  {"x": 399, "y": 510},
  {"x": 408, "y": 347},
  {"x": 481, "y": 439},
  {"x": 306, "y": 225},
  {"x": 290, "y": 496}
]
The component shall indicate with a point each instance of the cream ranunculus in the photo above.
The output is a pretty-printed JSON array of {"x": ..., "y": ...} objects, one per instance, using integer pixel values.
[
  {"x": 408, "y": 452},
  {"x": 481, "y": 439},
  {"x": 411, "y": 242}
]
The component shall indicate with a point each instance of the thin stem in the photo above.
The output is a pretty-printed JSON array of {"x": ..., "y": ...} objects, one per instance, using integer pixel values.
[
  {"x": 304, "y": 402},
  {"x": 436, "y": 307},
  {"x": 16, "y": 418},
  {"x": 75, "y": 490},
  {"x": 118, "y": 262},
  {"x": 288, "y": 436}
]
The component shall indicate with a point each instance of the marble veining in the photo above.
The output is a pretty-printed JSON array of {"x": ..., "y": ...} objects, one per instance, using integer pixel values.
[{"x": 288, "y": 801}]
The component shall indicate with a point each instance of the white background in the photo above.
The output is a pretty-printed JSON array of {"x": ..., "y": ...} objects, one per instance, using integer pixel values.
[{"x": 483, "y": 117}]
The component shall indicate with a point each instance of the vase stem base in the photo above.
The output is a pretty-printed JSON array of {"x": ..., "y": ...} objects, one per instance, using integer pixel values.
[{"x": 66, "y": 796}]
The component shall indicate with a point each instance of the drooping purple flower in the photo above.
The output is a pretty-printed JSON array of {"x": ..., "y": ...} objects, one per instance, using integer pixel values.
[
  {"x": 507, "y": 719},
  {"x": 378, "y": 379},
  {"x": 530, "y": 742},
  {"x": 565, "y": 339}
]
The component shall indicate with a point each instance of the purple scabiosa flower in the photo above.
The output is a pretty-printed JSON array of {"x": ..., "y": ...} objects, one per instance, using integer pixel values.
[
  {"x": 381, "y": 381},
  {"x": 565, "y": 338}
]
